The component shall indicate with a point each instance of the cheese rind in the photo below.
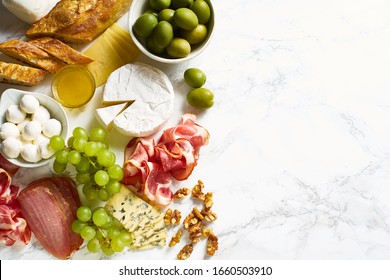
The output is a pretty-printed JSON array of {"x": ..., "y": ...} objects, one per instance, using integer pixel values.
[{"x": 153, "y": 96}]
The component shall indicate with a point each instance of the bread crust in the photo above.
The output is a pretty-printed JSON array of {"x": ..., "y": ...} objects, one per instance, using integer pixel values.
[
  {"x": 32, "y": 55},
  {"x": 20, "y": 75},
  {"x": 61, "y": 50},
  {"x": 80, "y": 21}
]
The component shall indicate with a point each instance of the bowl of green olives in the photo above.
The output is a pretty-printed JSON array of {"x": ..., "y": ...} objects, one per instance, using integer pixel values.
[{"x": 171, "y": 31}]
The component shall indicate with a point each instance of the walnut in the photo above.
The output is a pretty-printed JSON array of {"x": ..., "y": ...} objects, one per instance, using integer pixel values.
[
  {"x": 175, "y": 239},
  {"x": 189, "y": 221},
  {"x": 195, "y": 236},
  {"x": 197, "y": 214},
  {"x": 208, "y": 200},
  {"x": 197, "y": 191},
  {"x": 205, "y": 231},
  {"x": 181, "y": 193},
  {"x": 168, "y": 217},
  {"x": 185, "y": 252},
  {"x": 172, "y": 218},
  {"x": 212, "y": 244},
  {"x": 209, "y": 215}
]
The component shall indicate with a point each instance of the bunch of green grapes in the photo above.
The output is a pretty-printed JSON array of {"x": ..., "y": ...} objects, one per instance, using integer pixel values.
[
  {"x": 94, "y": 162},
  {"x": 101, "y": 231}
]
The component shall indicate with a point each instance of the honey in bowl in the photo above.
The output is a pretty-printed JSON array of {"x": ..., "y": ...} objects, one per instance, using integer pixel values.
[{"x": 73, "y": 86}]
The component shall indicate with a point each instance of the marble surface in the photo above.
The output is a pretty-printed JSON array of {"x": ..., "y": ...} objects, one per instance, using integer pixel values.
[{"x": 299, "y": 154}]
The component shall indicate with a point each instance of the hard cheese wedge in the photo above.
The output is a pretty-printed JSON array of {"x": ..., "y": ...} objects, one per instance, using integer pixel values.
[
  {"x": 108, "y": 53},
  {"x": 153, "y": 96},
  {"x": 130, "y": 210}
]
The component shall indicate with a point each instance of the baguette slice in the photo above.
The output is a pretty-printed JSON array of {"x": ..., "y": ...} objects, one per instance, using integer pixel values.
[
  {"x": 32, "y": 55},
  {"x": 20, "y": 75},
  {"x": 61, "y": 50},
  {"x": 80, "y": 21}
]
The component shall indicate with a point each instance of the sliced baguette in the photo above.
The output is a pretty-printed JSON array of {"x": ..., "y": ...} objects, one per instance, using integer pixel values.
[
  {"x": 61, "y": 50},
  {"x": 20, "y": 75},
  {"x": 32, "y": 55}
]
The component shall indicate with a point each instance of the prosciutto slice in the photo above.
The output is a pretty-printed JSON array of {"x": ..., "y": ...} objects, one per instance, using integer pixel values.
[
  {"x": 8, "y": 166},
  {"x": 12, "y": 226},
  {"x": 149, "y": 168}
]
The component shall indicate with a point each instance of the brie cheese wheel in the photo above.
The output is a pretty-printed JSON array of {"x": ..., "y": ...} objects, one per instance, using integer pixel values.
[
  {"x": 106, "y": 115},
  {"x": 153, "y": 96},
  {"x": 29, "y": 11}
]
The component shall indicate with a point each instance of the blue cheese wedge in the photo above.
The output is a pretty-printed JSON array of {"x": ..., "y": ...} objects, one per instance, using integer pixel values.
[
  {"x": 151, "y": 92},
  {"x": 140, "y": 218}
]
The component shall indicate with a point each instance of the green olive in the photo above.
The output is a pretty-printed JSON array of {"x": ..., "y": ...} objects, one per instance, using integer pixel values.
[
  {"x": 178, "y": 48},
  {"x": 176, "y": 4},
  {"x": 159, "y": 4},
  {"x": 151, "y": 11},
  {"x": 151, "y": 45},
  {"x": 200, "y": 98},
  {"x": 144, "y": 25},
  {"x": 202, "y": 10},
  {"x": 166, "y": 14},
  {"x": 162, "y": 34},
  {"x": 185, "y": 19},
  {"x": 196, "y": 36},
  {"x": 194, "y": 77}
]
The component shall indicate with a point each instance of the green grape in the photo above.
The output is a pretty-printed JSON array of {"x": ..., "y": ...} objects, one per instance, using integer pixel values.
[
  {"x": 106, "y": 158},
  {"x": 88, "y": 232},
  {"x": 109, "y": 224},
  {"x": 84, "y": 213},
  {"x": 115, "y": 172},
  {"x": 80, "y": 132},
  {"x": 101, "y": 177},
  {"x": 57, "y": 143},
  {"x": 93, "y": 245},
  {"x": 78, "y": 225},
  {"x": 59, "y": 167},
  {"x": 70, "y": 142},
  {"x": 89, "y": 192},
  {"x": 98, "y": 134},
  {"x": 103, "y": 195},
  {"x": 113, "y": 187},
  {"x": 61, "y": 156},
  {"x": 117, "y": 244},
  {"x": 101, "y": 234},
  {"x": 74, "y": 157},
  {"x": 107, "y": 250},
  {"x": 113, "y": 232},
  {"x": 83, "y": 177},
  {"x": 125, "y": 237},
  {"x": 79, "y": 144},
  {"x": 83, "y": 165},
  {"x": 100, "y": 217},
  {"x": 91, "y": 148}
]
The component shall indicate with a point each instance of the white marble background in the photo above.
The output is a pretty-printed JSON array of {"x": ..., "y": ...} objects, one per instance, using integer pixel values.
[{"x": 299, "y": 157}]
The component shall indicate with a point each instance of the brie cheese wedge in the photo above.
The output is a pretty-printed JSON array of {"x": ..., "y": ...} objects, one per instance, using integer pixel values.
[
  {"x": 153, "y": 96},
  {"x": 29, "y": 11}
]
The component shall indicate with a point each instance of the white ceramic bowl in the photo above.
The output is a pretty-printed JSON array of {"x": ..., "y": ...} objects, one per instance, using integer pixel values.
[
  {"x": 12, "y": 96},
  {"x": 138, "y": 7}
]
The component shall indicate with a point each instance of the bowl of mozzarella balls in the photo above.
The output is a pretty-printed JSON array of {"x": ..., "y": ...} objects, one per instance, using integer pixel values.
[{"x": 27, "y": 122}]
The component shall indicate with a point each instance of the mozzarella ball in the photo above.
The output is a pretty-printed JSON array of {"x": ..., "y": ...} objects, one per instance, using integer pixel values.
[
  {"x": 45, "y": 149},
  {"x": 42, "y": 115},
  {"x": 11, "y": 147},
  {"x": 14, "y": 114},
  {"x": 9, "y": 130},
  {"x": 29, "y": 104},
  {"x": 52, "y": 127},
  {"x": 32, "y": 130},
  {"x": 23, "y": 123},
  {"x": 30, "y": 153},
  {"x": 41, "y": 138}
]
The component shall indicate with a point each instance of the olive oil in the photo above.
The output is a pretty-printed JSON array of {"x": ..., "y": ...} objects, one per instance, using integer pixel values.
[{"x": 73, "y": 86}]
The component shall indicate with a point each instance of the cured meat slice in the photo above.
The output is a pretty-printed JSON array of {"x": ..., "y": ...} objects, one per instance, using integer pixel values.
[
  {"x": 12, "y": 226},
  {"x": 61, "y": 188},
  {"x": 46, "y": 220},
  {"x": 8, "y": 166},
  {"x": 149, "y": 167}
]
